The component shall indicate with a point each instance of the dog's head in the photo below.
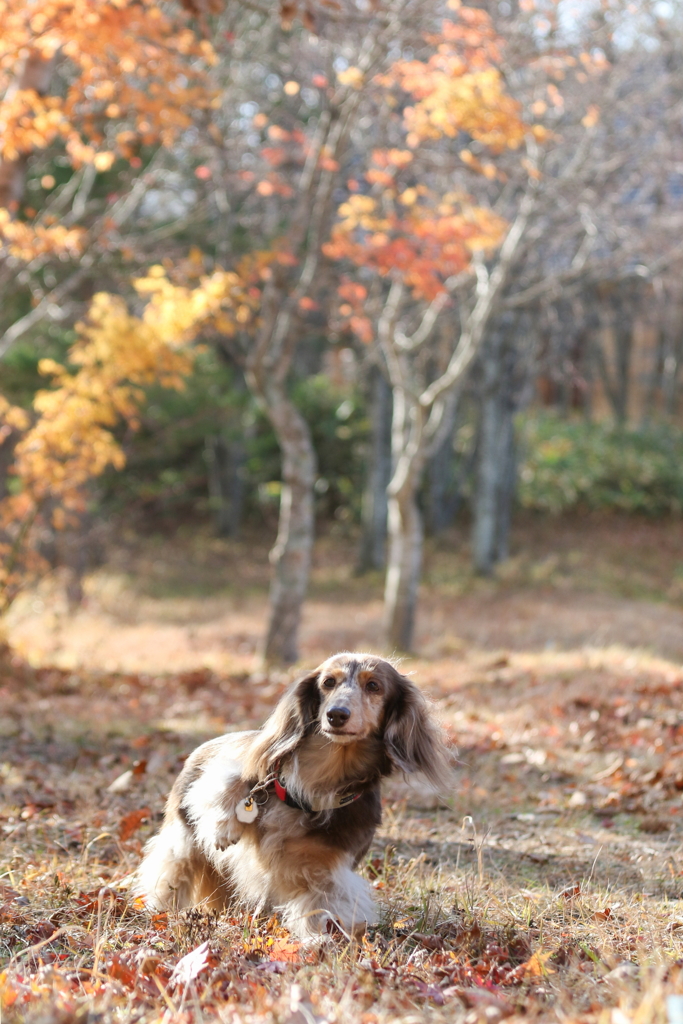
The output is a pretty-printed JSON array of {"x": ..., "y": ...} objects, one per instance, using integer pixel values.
[{"x": 350, "y": 698}]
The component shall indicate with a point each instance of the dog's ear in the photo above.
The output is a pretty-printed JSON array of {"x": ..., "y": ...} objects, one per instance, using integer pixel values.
[
  {"x": 413, "y": 739},
  {"x": 294, "y": 715}
]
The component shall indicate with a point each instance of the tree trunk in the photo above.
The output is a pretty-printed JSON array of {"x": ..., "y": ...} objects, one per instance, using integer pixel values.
[
  {"x": 291, "y": 555},
  {"x": 372, "y": 554},
  {"x": 496, "y": 473},
  {"x": 403, "y": 568},
  {"x": 444, "y": 475},
  {"x": 623, "y": 341},
  {"x": 225, "y": 457},
  {"x": 404, "y": 521},
  {"x": 507, "y": 481}
]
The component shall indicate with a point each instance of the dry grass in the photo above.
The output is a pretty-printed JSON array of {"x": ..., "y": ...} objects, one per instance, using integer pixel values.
[{"x": 549, "y": 887}]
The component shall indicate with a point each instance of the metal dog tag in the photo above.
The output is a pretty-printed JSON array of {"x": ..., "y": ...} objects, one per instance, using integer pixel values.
[{"x": 247, "y": 810}]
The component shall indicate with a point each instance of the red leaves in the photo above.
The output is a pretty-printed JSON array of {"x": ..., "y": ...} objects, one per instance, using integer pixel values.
[
  {"x": 353, "y": 292},
  {"x": 99, "y": 900},
  {"x": 121, "y": 972},
  {"x": 131, "y": 822},
  {"x": 355, "y": 295},
  {"x": 426, "y": 242},
  {"x": 274, "y": 155}
]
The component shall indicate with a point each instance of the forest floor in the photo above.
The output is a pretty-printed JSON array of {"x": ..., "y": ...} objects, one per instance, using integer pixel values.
[{"x": 549, "y": 886}]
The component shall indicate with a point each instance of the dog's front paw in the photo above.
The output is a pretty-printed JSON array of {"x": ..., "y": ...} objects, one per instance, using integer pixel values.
[{"x": 228, "y": 832}]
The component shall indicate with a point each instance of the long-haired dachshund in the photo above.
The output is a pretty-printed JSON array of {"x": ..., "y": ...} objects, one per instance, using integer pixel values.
[{"x": 279, "y": 818}]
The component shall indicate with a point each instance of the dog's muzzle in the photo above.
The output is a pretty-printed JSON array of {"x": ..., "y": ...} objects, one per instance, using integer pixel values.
[{"x": 338, "y": 717}]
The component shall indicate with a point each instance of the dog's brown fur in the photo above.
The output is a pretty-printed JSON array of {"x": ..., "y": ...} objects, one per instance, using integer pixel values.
[{"x": 341, "y": 728}]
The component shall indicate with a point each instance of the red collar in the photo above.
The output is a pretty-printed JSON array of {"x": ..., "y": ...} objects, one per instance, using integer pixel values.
[{"x": 339, "y": 801}]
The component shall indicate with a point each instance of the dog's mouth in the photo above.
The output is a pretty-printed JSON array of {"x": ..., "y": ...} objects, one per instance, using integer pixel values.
[{"x": 338, "y": 732}]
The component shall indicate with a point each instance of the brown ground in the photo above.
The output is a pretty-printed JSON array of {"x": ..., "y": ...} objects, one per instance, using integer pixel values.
[
  {"x": 169, "y": 604},
  {"x": 558, "y": 860}
]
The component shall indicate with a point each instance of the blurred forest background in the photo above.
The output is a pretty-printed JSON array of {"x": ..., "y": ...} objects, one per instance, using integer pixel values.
[{"x": 371, "y": 271}]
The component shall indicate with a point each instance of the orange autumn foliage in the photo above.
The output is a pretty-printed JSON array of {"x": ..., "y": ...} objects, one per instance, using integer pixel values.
[
  {"x": 424, "y": 238},
  {"x": 130, "y": 62},
  {"x": 425, "y": 242},
  {"x": 99, "y": 77}
]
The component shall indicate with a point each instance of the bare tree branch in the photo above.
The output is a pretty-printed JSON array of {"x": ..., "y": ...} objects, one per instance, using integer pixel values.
[{"x": 489, "y": 293}]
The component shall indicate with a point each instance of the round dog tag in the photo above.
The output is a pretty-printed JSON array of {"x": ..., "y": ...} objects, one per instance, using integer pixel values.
[{"x": 246, "y": 810}]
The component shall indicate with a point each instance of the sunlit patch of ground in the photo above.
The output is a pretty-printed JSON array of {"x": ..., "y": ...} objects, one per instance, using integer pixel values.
[
  {"x": 168, "y": 604},
  {"x": 548, "y": 886}
]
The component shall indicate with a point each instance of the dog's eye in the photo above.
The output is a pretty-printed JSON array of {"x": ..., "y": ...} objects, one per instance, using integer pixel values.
[
  {"x": 329, "y": 682},
  {"x": 372, "y": 685}
]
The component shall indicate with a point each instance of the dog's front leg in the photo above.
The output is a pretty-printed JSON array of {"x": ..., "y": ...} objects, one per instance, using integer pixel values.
[
  {"x": 217, "y": 818},
  {"x": 228, "y": 831}
]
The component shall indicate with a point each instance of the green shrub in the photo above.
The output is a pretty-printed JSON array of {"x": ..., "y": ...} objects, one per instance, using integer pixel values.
[
  {"x": 570, "y": 464},
  {"x": 166, "y": 469}
]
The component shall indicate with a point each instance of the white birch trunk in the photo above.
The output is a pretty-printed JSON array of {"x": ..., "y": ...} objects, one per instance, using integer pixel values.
[
  {"x": 372, "y": 554},
  {"x": 404, "y": 521},
  {"x": 403, "y": 569}
]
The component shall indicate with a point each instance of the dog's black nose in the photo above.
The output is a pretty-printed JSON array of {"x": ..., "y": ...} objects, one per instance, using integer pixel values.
[{"x": 338, "y": 717}]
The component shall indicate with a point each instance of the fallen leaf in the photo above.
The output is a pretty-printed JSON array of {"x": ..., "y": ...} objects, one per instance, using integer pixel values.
[
  {"x": 474, "y": 997},
  {"x": 193, "y": 964},
  {"x": 622, "y": 971},
  {"x": 130, "y": 823},
  {"x": 429, "y": 991},
  {"x": 272, "y": 967},
  {"x": 121, "y": 972},
  {"x": 121, "y": 783},
  {"x": 536, "y": 966},
  {"x": 429, "y": 941},
  {"x": 285, "y": 950}
]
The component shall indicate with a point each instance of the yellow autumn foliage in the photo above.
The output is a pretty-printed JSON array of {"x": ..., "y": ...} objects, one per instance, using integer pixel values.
[
  {"x": 460, "y": 87},
  {"x": 28, "y": 241},
  {"x": 117, "y": 355}
]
